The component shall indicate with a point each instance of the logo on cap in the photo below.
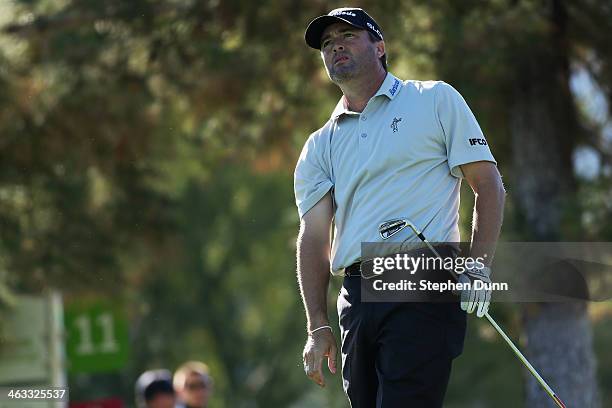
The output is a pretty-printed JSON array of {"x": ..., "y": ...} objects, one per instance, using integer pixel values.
[
  {"x": 376, "y": 30},
  {"x": 343, "y": 13}
]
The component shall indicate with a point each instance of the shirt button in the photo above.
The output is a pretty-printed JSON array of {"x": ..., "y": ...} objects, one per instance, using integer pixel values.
[
  {"x": 364, "y": 135},
  {"x": 364, "y": 117}
]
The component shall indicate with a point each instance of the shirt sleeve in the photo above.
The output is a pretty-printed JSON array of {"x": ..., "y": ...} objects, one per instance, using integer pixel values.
[
  {"x": 465, "y": 142},
  {"x": 312, "y": 177}
]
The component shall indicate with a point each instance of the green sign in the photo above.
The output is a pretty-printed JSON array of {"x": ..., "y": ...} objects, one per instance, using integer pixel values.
[{"x": 97, "y": 336}]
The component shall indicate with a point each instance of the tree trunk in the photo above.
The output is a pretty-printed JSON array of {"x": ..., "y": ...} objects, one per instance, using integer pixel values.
[
  {"x": 544, "y": 132},
  {"x": 559, "y": 345}
]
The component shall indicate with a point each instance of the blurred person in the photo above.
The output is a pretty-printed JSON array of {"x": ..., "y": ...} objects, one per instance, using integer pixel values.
[
  {"x": 193, "y": 384},
  {"x": 154, "y": 390}
]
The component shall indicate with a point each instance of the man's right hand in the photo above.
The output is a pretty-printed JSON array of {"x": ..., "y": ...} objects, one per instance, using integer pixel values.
[{"x": 318, "y": 345}]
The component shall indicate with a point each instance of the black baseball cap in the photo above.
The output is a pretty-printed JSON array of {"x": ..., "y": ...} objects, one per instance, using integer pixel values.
[{"x": 351, "y": 15}]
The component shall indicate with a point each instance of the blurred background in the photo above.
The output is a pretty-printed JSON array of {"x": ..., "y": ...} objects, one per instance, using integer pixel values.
[{"x": 147, "y": 217}]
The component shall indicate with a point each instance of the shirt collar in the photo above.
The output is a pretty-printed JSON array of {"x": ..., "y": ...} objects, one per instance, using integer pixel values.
[{"x": 390, "y": 88}]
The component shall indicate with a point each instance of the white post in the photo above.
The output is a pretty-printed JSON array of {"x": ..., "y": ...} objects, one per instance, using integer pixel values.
[{"x": 57, "y": 350}]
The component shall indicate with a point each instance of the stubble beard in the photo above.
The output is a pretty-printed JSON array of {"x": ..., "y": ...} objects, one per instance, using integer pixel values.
[
  {"x": 350, "y": 70},
  {"x": 345, "y": 72}
]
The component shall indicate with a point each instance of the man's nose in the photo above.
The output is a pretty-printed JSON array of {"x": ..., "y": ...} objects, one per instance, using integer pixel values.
[{"x": 338, "y": 47}]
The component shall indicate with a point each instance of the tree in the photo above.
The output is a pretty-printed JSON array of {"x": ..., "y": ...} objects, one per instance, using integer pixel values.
[
  {"x": 520, "y": 55},
  {"x": 140, "y": 141}
]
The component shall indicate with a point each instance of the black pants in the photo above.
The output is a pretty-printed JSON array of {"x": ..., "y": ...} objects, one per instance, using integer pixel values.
[{"x": 397, "y": 354}]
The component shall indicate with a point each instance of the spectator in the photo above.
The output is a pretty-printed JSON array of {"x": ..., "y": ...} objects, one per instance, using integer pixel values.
[
  {"x": 154, "y": 390},
  {"x": 193, "y": 384}
]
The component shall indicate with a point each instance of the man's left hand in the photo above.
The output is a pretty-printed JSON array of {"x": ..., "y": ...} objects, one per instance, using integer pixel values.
[{"x": 476, "y": 299}]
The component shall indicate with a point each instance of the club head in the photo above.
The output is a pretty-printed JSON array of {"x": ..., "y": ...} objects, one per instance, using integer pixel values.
[{"x": 389, "y": 228}]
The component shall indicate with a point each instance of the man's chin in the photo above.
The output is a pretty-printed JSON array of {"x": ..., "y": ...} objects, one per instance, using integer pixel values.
[{"x": 342, "y": 75}]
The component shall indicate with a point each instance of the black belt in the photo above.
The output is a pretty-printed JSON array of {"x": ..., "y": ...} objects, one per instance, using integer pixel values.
[
  {"x": 444, "y": 250},
  {"x": 353, "y": 270}
]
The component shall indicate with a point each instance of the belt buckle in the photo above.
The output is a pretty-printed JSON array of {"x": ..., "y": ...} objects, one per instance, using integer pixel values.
[{"x": 361, "y": 270}]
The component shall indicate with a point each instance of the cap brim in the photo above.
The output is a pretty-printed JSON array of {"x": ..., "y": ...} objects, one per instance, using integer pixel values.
[{"x": 318, "y": 25}]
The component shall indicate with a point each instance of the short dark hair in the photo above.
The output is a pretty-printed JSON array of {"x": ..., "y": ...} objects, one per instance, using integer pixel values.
[{"x": 383, "y": 58}]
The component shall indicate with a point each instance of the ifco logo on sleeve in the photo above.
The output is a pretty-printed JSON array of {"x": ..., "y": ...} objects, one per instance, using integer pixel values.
[{"x": 481, "y": 142}]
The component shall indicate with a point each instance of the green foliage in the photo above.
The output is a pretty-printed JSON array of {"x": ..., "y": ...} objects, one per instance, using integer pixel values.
[{"x": 226, "y": 292}]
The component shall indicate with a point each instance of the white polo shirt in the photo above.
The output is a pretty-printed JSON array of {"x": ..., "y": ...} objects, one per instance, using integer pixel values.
[{"x": 399, "y": 158}]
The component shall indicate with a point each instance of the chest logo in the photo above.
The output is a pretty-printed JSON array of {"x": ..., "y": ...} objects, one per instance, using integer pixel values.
[{"x": 394, "y": 124}]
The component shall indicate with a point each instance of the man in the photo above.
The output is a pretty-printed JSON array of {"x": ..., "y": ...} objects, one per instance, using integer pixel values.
[
  {"x": 391, "y": 149},
  {"x": 193, "y": 384},
  {"x": 154, "y": 390}
]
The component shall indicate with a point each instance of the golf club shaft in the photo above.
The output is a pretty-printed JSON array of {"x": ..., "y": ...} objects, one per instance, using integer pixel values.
[
  {"x": 525, "y": 362},
  {"x": 515, "y": 349}
]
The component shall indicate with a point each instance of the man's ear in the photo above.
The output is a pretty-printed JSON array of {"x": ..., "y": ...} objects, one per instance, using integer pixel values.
[{"x": 380, "y": 48}]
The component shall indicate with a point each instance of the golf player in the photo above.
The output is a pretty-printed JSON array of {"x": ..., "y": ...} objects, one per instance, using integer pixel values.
[{"x": 391, "y": 149}]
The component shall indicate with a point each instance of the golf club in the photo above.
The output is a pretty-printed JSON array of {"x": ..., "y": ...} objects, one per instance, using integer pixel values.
[{"x": 389, "y": 228}]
